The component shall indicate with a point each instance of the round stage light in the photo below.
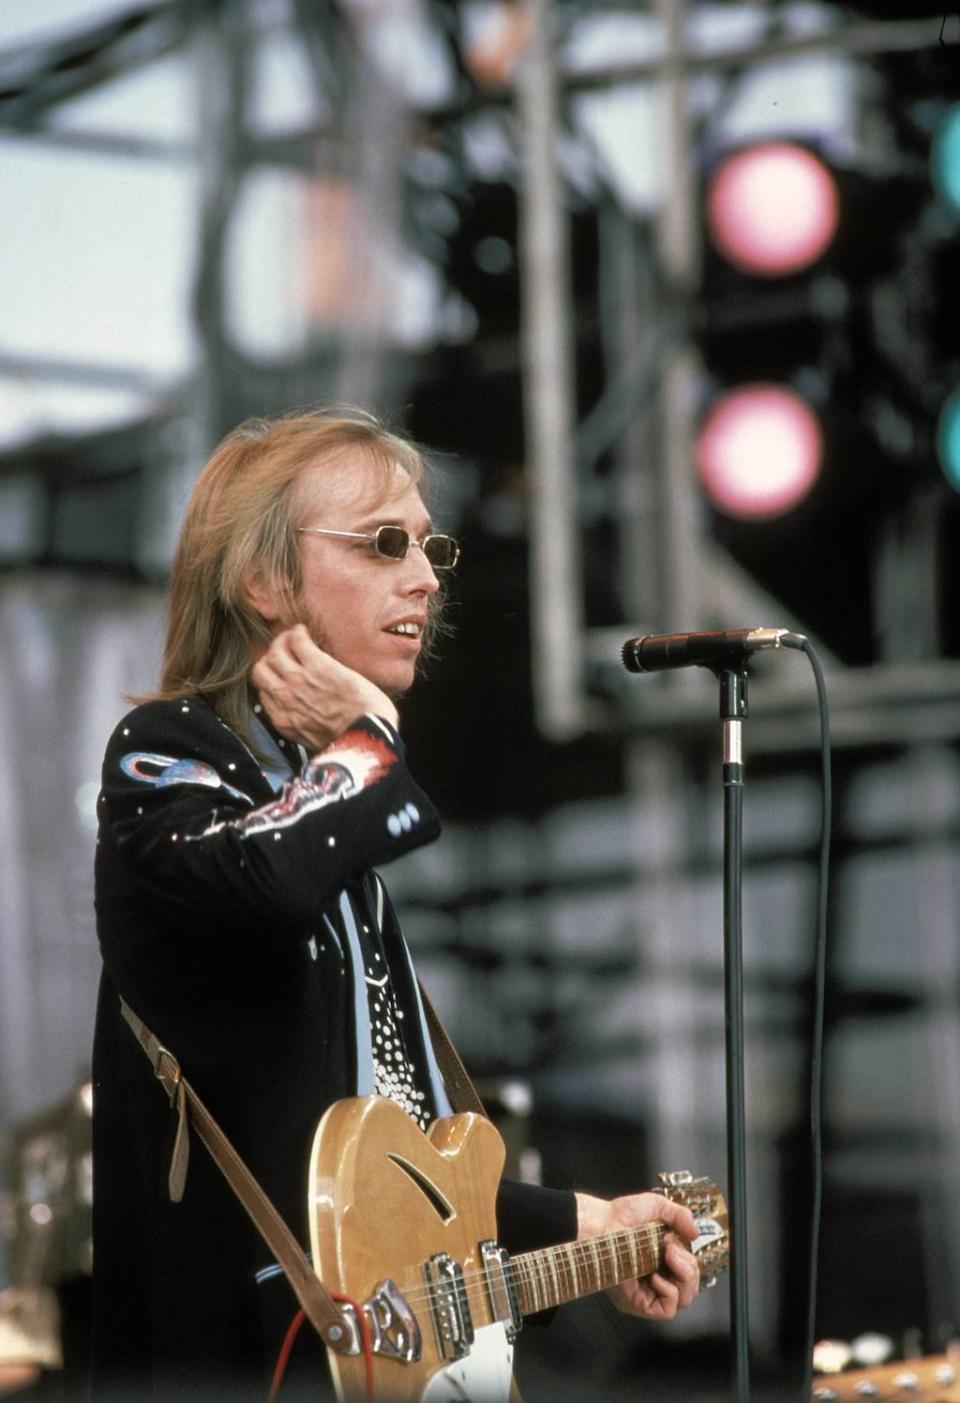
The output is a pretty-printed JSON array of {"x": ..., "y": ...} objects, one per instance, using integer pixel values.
[
  {"x": 772, "y": 209},
  {"x": 759, "y": 451},
  {"x": 948, "y": 440},
  {"x": 945, "y": 157}
]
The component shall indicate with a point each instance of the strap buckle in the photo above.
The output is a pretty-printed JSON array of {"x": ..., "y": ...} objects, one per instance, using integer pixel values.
[{"x": 168, "y": 1077}]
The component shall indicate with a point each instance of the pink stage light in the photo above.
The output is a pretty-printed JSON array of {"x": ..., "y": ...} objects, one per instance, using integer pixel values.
[
  {"x": 772, "y": 209},
  {"x": 759, "y": 452}
]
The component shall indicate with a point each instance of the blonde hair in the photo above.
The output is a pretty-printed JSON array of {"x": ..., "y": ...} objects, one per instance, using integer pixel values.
[{"x": 241, "y": 520}]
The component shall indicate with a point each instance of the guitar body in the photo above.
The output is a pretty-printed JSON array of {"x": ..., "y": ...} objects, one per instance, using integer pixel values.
[
  {"x": 403, "y": 1230},
  {"x": 379, "y": 1189}
]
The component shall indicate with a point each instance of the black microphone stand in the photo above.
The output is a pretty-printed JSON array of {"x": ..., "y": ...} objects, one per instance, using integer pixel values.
[
  {"x": 724, "y": 653},
  {"x": 733, "y": 708}
]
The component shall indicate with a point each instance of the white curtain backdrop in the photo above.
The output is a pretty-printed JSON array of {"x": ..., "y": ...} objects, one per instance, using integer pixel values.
[{"x": 70, "y": 645}]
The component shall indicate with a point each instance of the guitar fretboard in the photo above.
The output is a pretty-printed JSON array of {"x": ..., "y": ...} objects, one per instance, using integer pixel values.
[{"x": 554, "y": 1275}]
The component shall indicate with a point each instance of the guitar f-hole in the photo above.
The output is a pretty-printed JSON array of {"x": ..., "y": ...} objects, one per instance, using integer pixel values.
[{"x": 440, "y": 1205}]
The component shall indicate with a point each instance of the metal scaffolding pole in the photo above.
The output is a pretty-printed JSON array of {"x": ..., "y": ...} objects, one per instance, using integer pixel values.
[
  {"x": 679, "y": 256},
  {"x": 556, "y": 591}
]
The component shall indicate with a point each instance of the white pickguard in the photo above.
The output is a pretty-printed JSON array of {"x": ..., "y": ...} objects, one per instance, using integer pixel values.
[{"x": 482, "y": 1376}]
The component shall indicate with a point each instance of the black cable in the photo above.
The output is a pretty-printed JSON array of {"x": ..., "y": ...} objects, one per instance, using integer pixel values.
[{"x": 797, "y": 640}]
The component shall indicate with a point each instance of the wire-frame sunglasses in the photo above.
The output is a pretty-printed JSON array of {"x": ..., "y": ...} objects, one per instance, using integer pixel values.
[{"x": 393, "y": 542}]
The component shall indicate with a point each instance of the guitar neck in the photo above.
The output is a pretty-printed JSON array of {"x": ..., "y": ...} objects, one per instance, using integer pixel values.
[{"x": 553, "y": 1275}]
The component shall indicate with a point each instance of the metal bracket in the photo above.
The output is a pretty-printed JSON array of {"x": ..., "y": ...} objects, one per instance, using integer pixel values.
[{"x": 394, "y": 1332}]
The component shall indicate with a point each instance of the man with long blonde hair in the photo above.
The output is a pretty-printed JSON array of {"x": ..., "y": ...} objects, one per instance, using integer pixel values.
[{"x": 245, "y": 810}]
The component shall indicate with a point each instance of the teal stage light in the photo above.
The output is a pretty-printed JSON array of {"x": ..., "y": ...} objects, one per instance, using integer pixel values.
[
  {"x": 948, "y": 440},
  {"x": 945, "y": 158}
]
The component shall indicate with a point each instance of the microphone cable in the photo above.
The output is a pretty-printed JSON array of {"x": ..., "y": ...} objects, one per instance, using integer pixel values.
[{"x": 796, "y": 640}]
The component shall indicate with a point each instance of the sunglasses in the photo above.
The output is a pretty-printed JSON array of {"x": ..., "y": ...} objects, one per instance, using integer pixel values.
[{"x": 393, "y": 542}]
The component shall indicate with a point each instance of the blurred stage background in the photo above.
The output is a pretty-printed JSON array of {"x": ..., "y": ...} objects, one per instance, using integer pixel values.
[{"x": 671, "y": 290}]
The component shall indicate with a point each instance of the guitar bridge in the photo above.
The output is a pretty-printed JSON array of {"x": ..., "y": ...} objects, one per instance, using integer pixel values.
[
  {"x": 448, "y": 1305},
  {"x": 394, "y": 1332}
]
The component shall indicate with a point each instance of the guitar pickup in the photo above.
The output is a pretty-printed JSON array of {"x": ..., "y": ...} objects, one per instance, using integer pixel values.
[
  {"x": 504, "y": 1305},
  {"x": 448, "y": 1305}
]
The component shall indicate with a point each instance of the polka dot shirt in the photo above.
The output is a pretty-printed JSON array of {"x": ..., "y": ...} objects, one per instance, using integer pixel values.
[{"x": 397, "y": 1073}]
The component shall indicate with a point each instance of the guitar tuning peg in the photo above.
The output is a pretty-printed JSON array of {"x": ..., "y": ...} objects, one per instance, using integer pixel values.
[
  {"x": 946, "y": 1338},
  {"x": 912, "y": 1343},
  {"x": 831, "y": 1356},
  {"x": 871, "y": 1349},
  {"x": 675, "y": 1178}
]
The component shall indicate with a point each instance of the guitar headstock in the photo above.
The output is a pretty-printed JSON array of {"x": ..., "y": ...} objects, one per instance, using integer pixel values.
[
  {"x": 709, "y": 1208},
  {"x": 935, "y": 1379}
]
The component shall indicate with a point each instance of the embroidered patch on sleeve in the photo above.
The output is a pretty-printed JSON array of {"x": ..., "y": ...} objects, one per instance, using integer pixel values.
[
  {"x": 162, "y": 771},
  {"x": 347, "y": 767}
]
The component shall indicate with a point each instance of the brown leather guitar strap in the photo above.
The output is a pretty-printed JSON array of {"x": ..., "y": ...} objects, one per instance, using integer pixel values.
[
  {"x": 191, "y": 1111},
  {"x": 463, "y": 1094},
  {"x": 319, "y": 1307}
]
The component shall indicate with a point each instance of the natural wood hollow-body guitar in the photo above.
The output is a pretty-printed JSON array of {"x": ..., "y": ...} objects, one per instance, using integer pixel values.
[{"x": 404, "y": 1225}]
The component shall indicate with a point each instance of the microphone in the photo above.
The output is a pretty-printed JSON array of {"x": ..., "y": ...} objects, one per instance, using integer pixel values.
[{"x": 659, "y": 651}]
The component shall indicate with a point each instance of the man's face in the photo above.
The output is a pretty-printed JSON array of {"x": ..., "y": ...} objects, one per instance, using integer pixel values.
[{"x": 352, "y": 600}]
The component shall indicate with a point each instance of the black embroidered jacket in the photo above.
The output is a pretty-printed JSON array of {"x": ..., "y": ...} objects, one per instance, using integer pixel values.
[{"x": 227, "y": 915}]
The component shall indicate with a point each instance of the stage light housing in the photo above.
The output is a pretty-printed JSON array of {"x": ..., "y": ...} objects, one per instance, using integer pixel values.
[
  {"x": 759, "y": 451},
  {"x": 773, "y": 209}
]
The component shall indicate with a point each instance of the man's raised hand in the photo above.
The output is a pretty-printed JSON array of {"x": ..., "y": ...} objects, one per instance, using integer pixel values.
[{"x": 309, "y": 696}]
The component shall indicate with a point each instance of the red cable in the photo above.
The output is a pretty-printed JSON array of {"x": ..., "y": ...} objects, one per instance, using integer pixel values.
[{"x": 283, "y": 1358}]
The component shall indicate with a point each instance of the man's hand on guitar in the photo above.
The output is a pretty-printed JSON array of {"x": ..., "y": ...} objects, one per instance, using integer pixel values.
[{"x": 660, "y": 1296}]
